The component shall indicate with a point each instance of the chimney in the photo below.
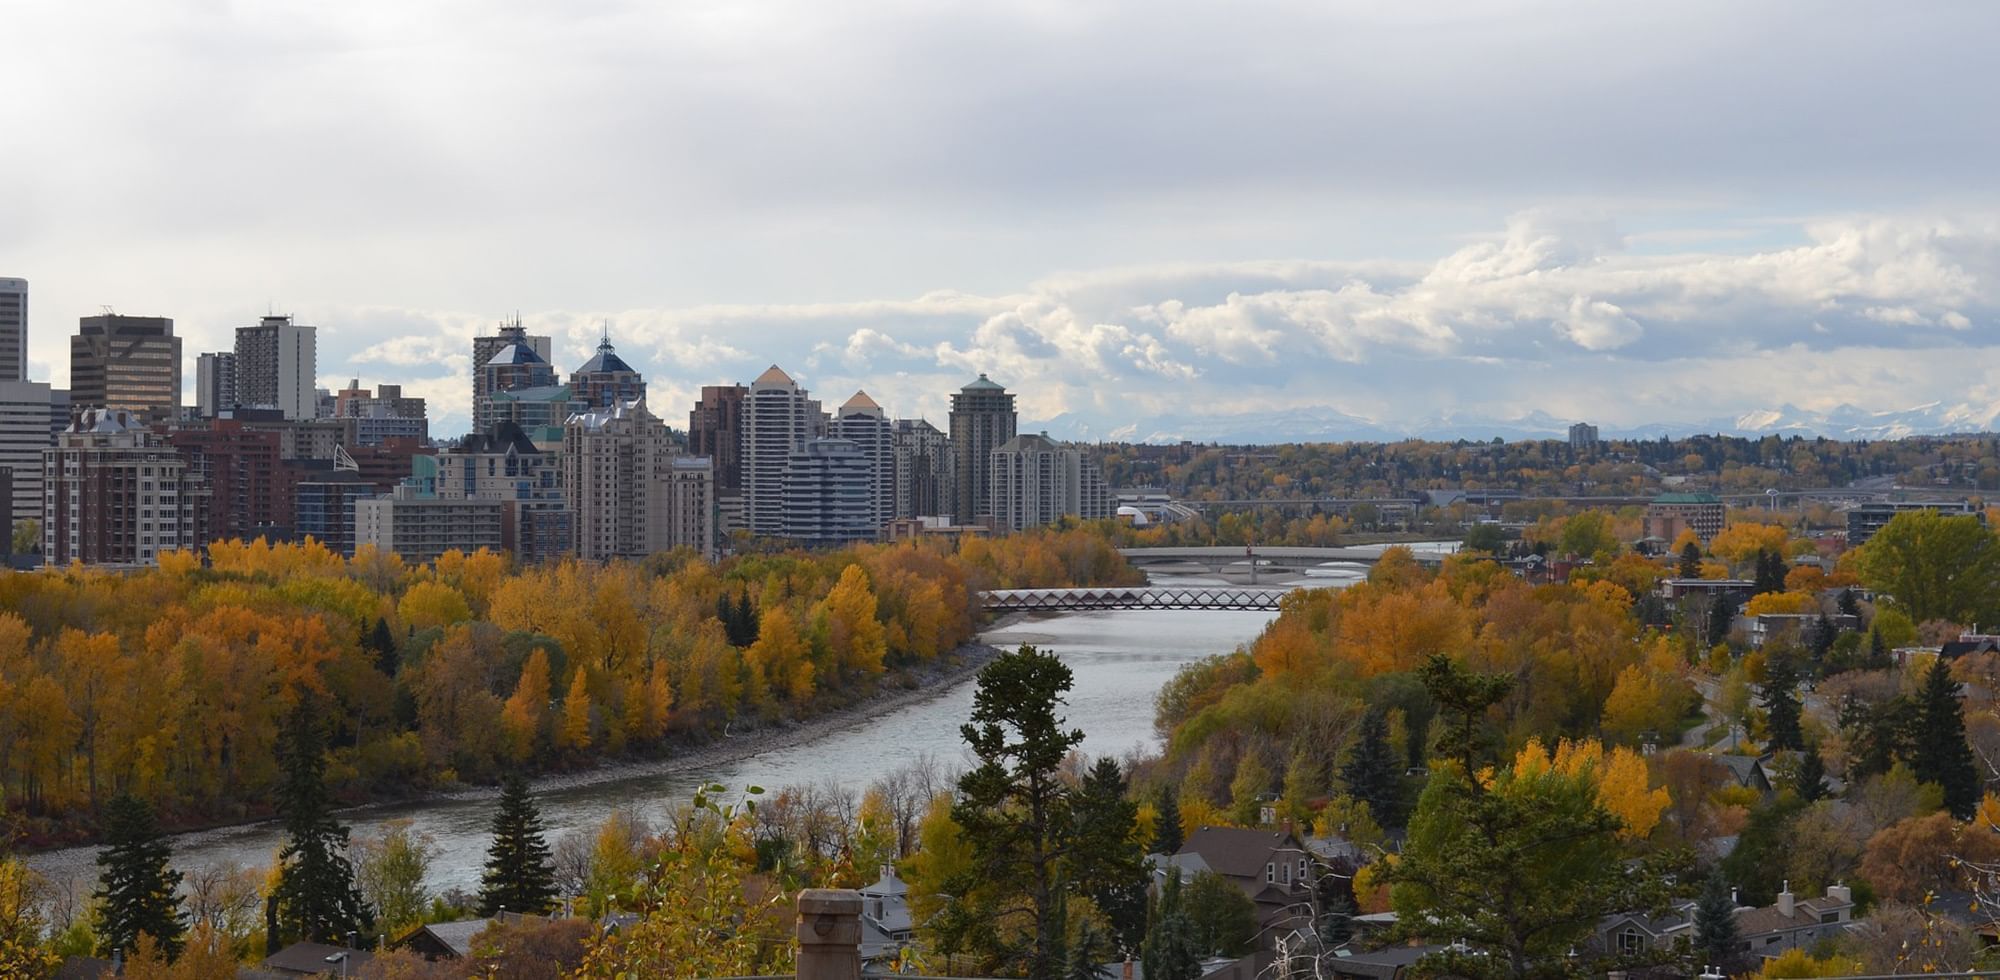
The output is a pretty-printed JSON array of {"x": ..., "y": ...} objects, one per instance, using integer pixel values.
[
  {"x": 1785, "y": 901},
  {"x": 1733, "y": 900},
  {"x": 889, "y": 872},
  {"x": 1840, "y": 893}
]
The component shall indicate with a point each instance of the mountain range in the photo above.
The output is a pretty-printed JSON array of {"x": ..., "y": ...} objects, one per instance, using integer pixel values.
[{"x": 1309, "y": 424}]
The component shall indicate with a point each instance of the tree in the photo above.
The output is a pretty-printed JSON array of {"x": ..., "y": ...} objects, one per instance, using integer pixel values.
[
  {"x": 1170, "y": 951},
  {"x": 1690, "y": 563},
  {"x": 526, "y": 712},
  {"x": 574, "y": 730},
  {"x": 1224, "y": 919},
  {"x": 1372, "y": 774},
  {"x": 1082, "y": 962},
  {"x": 136, "y": 892},
  {"x": 316, "y": 895},
  {"x": 1770, "y": 573},
  {"x": 1939, "y": 751},
  {"x": 1107, "y": 864},
  {"x": 383, "y": 642},
  {"x": 1167, "y": 833},
  {"x": 1015, "y": 811},
  {"x": 1809, "y": 780},
  {"x": 390, "y": 868},
  {"x": 1489, "y": 538},
  {"x": 1781, "y": 703},
  {"x": 520, "y": 877},
  {"x": 1715, "y": 936},
  {"x": 1878, "y": 652},
  {"x": 1934, "y": 567},
  {"x": 1466, "y": 696}
]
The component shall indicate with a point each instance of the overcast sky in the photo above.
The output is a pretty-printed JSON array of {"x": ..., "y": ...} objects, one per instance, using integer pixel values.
[{"x": 1615, "y": 211}]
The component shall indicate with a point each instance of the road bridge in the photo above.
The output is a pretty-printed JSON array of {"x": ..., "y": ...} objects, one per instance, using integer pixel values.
[
  {"x": 1218, "y": 558},
  {"x": 1133, "y": 597}
]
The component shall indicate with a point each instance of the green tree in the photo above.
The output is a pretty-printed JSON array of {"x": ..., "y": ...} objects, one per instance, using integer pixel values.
[
  {"x": 1715, "y": 936},
  {"x": 1224, "y": 919},
  {"x": 1809, "y": 780},
  {"x": 1247, "y": 789},
  {"x": 1085, "y": 954},
  {"x": 1372, "y": 774},
  {"x": 1878, "y": 652},
  {"x": 1015, "y": 810},
  {"x": 1167, "y": 834},
  {"x": 1763, "y": 848},
  {"x": 1489, "y": 538},
  {"x": 390, "y": 868},
  {"x": 383, "y": 642},
  {"x": 1524, "y": 866},
  {"x": 136, "y": 892},
  {"x": 1107, "y": 864},
  {"x": 1170, "y": 951},
  {"x": 1690, "y": 565},
  {"x": 1770, "y": 576},
  {"x": 22, "y": 950},
  {"x": 1464, "y": 696},
  {"x": 1939, "y": 751},
  {"x": 1781, "y": 703},
  {"x": 520, "y": 876},
  {"x": 1934, "y": 567},
  {"x": 316, "y": 895}
]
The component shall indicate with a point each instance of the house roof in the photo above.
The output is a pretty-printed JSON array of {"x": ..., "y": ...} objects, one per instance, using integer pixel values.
[
  {"x": 456, "y": 936},
  {"x": 515, "y": 354},
  {"x": 887, "y": 885},
  {"x": 309, "y": 959},
  {"x": 606, "y": 361},
  {"x": 1028, "y": 442},
  {"x": 504, "y": 437},
  {"x": 1768, "y": 919},
  {"x": 773, "y": 376},
  {"x": 1384, "y": 963},
  {"x": 1687, "y": 498},
  {"x": 1235, "y": 851}
]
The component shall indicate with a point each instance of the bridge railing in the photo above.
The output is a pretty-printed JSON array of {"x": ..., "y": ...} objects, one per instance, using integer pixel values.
[{"x": 1154, "y": 597}]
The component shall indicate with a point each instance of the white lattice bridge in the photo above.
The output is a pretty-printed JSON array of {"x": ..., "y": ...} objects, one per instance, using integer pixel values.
[{"x": 1133, "y": 597}]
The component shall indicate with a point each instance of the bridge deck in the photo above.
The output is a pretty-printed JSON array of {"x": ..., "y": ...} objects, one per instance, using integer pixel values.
[{"x": 1136, "y": 597}]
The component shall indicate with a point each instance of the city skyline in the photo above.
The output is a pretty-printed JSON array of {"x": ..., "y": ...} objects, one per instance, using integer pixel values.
[{"x": 1483, "y": 212}]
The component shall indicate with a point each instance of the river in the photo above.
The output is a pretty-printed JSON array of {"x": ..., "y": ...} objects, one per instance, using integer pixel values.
[{"x": 1120, "y": 660}]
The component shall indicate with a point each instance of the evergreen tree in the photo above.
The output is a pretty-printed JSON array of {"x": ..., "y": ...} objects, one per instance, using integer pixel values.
[
  {"x": 1690, "y": 560},
  {"x": 1809, "y": 781},
  {"x": 1770, "y": 572},
  {"x": 1715, "y": 936},
  {"x": 1016, "y": 813},
  {"x": 1878, "y": 736},
  {"x": 136, "y": 891},
  {"x": 746, "y": 619},
  {"x": 316, "y": 896},
  {"x": 725, "y": 613},
  {"x": 1170, "y": 951},
  {"x": 383, "y": 642},
  {"x": 1939, "y": 753},
  {"x": 1781, "y": 703},
  {"x": 1850, "y": 605},
  {"x": 1878, "y": 652},
  {"x": 1371, "y": 774},
  {"x": 1167, "y": 833},
  {"x": 1721, "y": 615},
  {"x": 1105, "y": 862},
  {"x": 1336, "y": 908},
  {"x": 520, "y": 875},
  {"x": 1463, "y": 696},
  {"x": 1823, "y": 635},
  {"x": 1086, "y": 951}
]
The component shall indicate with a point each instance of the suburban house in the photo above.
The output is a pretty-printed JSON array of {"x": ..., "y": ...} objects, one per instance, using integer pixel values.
[
  {"x": 1272, "y": 867},
  {"x": 1789, "y": 923},
  {"x": 1748, "y": 771},
  {"x": 452, "y": 940},
  {"x": 886, "y": 927}
]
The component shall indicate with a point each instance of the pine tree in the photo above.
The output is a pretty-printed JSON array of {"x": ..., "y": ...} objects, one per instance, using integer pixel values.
[
  {"x": 1721, "y": 615},
  {"x": 383, "y": 642},
  {"x": 316, "y": 896},
  {"x": 1167, "y": 834},
  {"x": 725, "y": 613},
  {"x": 1781, "y": 703},
  {"x": 136, "y": 891},
  {"x": 1715, "y": 934},
  {"x": 1690, "y": 560},
  {"x": 1850, "y": 605},
  {"x": 1809, "y": 781},
  {"x": 1170, "y": 951},
  {"x": 1770, "y": 572},
  {"x": 1939, "y": 751},
  {"x": 747, "y": 619},
  {"x": 1878, "y": 652},
  {"x": 1105, "y": 863},
  {"x": 520, "y": 876},
  {"x": 1084, "y": 953},
  {"x": 1371, "y": 773}
]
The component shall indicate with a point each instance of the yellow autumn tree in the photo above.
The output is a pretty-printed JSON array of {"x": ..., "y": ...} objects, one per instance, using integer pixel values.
[
  {"x": 779, "y": 655},
  {"x": 429, "y": 604},
  {"x": 1786, "y": 603},
  {"x": 853, "y": 632},
  {"x": 574, "y": 732},
  {"x": 527, "y": 711}
]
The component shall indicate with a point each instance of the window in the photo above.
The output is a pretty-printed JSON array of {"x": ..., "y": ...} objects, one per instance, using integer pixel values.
[
  {"x": 1270, "y": 872},
  {"x": 1630, "y": 941}
]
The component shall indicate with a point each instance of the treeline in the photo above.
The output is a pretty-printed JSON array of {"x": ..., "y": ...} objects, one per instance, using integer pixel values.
[{"x": 169, "y": 684}]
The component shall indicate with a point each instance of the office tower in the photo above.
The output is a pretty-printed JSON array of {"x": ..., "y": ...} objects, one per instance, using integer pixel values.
[
  {"x": 1037, "y": 481},
  {"x": 778, "y": 419},
  {"x": 505, "y": 464},
  {"x": 629, "y": 490},
  {"x": 126, "y": 363},
  {"x": 511, "y": 332},
  {"x": 13, "y": 330},
  {"x": 923, "y": 469},
  {"x": 383, "y": 415},
  {"x": 214, "y": 383},
  {"x": 113, "y": 493},
  {"x": 518, "y": 385},
  {"x": 715, "y": 430},
  {"x": 24, "y": 433},
  {"x": 863, "y": 423},
  {"x": 277, "y": 365},
  {"x": 606, "y": 381},
  {"x": 828, "y": 486},
  {"x": 982, "y": 420}
]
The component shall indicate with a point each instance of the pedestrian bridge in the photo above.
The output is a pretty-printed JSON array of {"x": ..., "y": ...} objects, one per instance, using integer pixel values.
[
  {"x": 1218, "y": 558},
  {"x": 1133, "y": 597}
]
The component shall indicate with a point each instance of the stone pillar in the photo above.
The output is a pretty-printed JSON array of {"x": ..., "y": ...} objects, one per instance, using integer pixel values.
[{"x": 829, "y": 934}]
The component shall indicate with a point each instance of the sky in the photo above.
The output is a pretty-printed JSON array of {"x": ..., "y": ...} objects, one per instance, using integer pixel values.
[{"x": 1627, "y": 213}]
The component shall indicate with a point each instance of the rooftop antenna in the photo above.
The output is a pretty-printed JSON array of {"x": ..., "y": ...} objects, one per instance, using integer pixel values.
[
  {"x": 108, "y": 311},
  {"x": 605, "y": 343}
]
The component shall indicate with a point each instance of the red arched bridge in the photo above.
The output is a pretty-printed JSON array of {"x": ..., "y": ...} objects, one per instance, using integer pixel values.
[{"x": 1133, "y": 597}]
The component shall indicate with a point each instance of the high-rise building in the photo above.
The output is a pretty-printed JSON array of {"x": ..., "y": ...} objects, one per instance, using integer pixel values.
[
  {"x": 1038, "y": 481},
  {"x": 249, "y": 493},
  {"x": 510, "y": 333},
  {"x": 715, "y": 430},
  {"x": 126, "y": 363},
  {"x": 829, "y": 484},
  {"x": 518, "y": 385},
  {"x": 606, "y": 381},
  {"x": 25, "y": 408},
  {"x": 421, "y": 528},
  {"x": 505, "y": 464},
  {"x": 778, "y": 419},
  {"x": 277, "y": 365},
  {"x": 214, "y": 383},
  {"x": 982, "y": 420},
  {"x": 1583, "y": 437},
  {"x": 630, "y": 490},
  {"x": 113, "y": 493},
  {"x": 861, "y": 421},
  {"x": 923, "y": 470},
  {"x": 1672, "y": 513},
  {"x": 13, "y": 329},
  {"x": 383, "y": 415}
]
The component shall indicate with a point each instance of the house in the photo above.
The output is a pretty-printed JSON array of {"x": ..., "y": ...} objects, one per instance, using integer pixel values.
[
  {"x": 1747, "y": 771},
  {"x": 1632, "y": 933},
  {"x": 317, "y": 960},
  {"x": 1272, "y": 867},
  {"x": 1789, "y": 923},
  {"x": 1392, "y": 963},
  {"x": 1768, "y": 626},
  {"x": 452, "y": 940},
  {"x": 886, "y": 926}
]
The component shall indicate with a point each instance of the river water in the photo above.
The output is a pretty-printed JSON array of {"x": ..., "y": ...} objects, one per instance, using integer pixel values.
[{"x": 1120, "y": 660}]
